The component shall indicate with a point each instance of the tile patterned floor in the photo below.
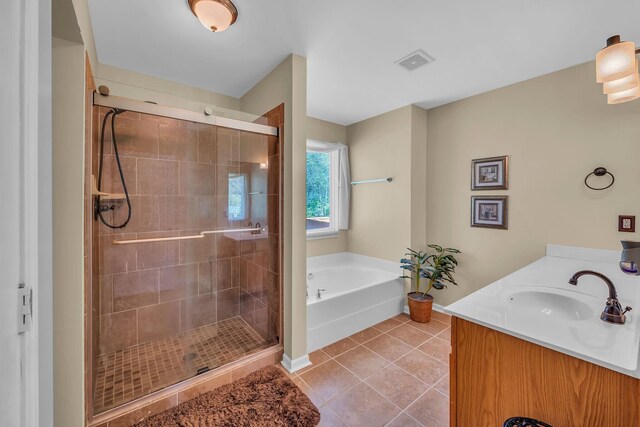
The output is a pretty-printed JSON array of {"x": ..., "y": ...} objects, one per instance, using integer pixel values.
[
  {"x": 142, "y": 369},
  {"x": 395, "y": 373}
]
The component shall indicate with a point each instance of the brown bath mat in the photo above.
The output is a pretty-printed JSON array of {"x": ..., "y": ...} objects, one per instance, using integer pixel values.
[{"x": 263, "y": 398}]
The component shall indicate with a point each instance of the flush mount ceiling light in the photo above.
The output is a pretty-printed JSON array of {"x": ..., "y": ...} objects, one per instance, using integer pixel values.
[
  {"x": 215, "y": 15},
  {"x": 617, "y": 70}
]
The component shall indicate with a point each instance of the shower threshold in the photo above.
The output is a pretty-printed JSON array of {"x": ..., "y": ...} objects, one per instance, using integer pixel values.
[{"x": 134, "y": 372}]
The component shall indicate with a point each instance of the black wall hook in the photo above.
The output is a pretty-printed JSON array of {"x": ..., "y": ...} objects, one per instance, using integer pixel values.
[{"x": 599, "y": 171}]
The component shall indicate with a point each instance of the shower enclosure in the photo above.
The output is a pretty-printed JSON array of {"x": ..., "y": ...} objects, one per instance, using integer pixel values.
[{"x": 192, "y": 281}]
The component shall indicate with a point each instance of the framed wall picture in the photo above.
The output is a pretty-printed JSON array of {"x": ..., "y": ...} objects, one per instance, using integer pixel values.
[
  {"x": 491, "y": 173},
  {"x": 490, "y": 212}
]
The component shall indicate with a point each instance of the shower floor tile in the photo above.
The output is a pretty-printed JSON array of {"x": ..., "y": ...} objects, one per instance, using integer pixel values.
[{"x": 128, "y": 374}]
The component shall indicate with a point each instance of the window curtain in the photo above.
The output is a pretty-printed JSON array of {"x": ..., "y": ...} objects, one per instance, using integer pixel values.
[
  {"x": 344, "y": 187},
  {"x": 344, "y": 177}
]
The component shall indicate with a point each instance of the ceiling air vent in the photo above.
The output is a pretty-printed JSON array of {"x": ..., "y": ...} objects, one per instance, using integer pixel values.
[{"x": 415, "y": 60}]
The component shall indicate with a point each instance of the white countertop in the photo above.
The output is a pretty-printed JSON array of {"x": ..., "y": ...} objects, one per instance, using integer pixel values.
[
  {"x": 247, "y": 235},
  {"x": 506, "y": 306}
]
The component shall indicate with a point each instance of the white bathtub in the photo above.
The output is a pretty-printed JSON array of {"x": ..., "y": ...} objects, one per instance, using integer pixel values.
[{"x": 360, "y": 292}]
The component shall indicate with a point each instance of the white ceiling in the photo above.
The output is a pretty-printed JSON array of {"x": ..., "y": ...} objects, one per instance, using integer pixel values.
[{"x": 351, "y": 45}]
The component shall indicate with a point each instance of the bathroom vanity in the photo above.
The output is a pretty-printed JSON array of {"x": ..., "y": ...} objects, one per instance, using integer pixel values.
[{"x": 533, "y": 345}]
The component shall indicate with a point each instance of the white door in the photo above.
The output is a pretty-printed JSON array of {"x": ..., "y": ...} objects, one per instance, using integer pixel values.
[
  {"x": 11, "y": 353},
  {"x": 25, "y": 34}
]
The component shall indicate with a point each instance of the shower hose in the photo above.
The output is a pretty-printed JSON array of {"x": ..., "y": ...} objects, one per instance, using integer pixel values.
[{"x": 99, "y": 208}]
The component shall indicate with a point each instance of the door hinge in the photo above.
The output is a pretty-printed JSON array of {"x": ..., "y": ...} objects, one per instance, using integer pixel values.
[{"x": 25, "y": 305}]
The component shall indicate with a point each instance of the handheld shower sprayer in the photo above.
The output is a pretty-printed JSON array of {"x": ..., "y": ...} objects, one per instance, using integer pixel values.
[
  {"x": 99, "y": 207},
  {"x": 630, "y": 258}
]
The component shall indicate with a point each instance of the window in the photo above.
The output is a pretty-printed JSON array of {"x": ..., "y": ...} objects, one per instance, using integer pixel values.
[
  {"x": 237, "y": 197},
  {"x": 322, "y": 193}
]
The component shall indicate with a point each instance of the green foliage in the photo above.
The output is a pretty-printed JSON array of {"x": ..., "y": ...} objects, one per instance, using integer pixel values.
[
  {"x": 437, "y": 267},
  {"x": 237, "y": 195},
  {"x": 318, "y": 184}
]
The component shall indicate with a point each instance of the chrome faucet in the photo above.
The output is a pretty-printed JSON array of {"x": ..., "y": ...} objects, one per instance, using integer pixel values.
[
  {"x": 319, "y": 293},
  {"x": 612, "y": 312},
  {"x": 258, "y": 229}
]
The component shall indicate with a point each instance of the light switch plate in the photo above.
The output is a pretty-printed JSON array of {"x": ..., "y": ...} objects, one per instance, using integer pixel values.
[{"x": 627, "y": 223}]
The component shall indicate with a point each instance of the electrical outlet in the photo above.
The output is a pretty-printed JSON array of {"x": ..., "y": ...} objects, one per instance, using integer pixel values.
[{"x": 627, "y": 223}]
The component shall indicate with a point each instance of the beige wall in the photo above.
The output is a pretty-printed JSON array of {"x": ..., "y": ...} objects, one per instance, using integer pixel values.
[
  {"x": 418, "y": 178},
  {"x": 64, "y": 24},
  {"x": 130, "y": 84},
  {"x": 383, "y": 215},
  {"x": 287, "y": 84},
  {"x": 68, "y": 229},
  {"x": 322, "y": 130},
  {"x": 556, "y": 129}
]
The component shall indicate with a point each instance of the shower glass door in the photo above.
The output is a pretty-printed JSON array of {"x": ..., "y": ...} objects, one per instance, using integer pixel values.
[{"x": 192, "y": 281}]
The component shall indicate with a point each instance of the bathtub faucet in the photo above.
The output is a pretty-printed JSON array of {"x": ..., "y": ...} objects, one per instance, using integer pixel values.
[
  {"x": 319, "y": 293},
  {"x": 309, "y": 277}
]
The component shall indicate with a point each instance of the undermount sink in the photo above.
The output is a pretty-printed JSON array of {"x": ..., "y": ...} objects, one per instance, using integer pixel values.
[{"x": 550, "y": 305}]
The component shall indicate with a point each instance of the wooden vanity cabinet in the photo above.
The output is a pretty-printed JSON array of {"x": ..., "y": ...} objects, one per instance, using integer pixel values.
[{"x": 495, "y": 376}]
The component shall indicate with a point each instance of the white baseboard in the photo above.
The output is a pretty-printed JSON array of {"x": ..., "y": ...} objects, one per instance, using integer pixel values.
[
  {"x": 436, "y": 307},
  {"x": 296, "y": 364}
]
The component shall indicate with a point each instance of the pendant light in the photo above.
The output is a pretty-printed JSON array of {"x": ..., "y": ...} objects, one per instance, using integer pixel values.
[
  {"x": 624, "y": 96},
  {"x": 215, "y": 15},
  {"x": 622, "y": 84},
  {"x": 617, "y": 70}
]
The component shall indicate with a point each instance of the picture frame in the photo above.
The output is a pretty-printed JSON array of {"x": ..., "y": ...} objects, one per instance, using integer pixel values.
[
  {"x": 490, "y": 173},
  {"x": 490, "y": 212}
]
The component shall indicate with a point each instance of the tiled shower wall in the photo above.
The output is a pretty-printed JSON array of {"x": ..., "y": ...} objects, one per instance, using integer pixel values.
[
  {"x": 176, "y": 173},
  {"x": 258, "y": 266}
]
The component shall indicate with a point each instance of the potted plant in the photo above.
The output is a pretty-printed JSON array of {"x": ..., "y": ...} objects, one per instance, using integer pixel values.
[{"x": 437, "y": 268}]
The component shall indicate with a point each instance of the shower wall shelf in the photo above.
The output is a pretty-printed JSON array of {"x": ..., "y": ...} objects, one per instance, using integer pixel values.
[
  {"x": 368, "y": 181},
  {"x": 102, "y": 194},
  {"x": 192, "y": 237}
]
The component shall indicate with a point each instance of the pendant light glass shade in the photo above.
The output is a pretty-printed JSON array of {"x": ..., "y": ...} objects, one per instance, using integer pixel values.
[
  {"x": 615, "y": 62},
  {"x": 622, "y": 84},
  {"x": 215, "y": 15},
  {"x": 624, "y": 96}
]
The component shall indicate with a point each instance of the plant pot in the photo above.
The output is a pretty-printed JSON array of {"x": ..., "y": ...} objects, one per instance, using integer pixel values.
[{"x": 420, "y": 306}]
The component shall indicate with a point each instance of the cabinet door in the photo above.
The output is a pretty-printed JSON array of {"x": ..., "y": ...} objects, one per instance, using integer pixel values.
[{"x": 498, "y": 376}]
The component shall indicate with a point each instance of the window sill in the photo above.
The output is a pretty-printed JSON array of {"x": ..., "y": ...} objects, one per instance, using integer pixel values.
[{"x": 323, "y": 235}]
